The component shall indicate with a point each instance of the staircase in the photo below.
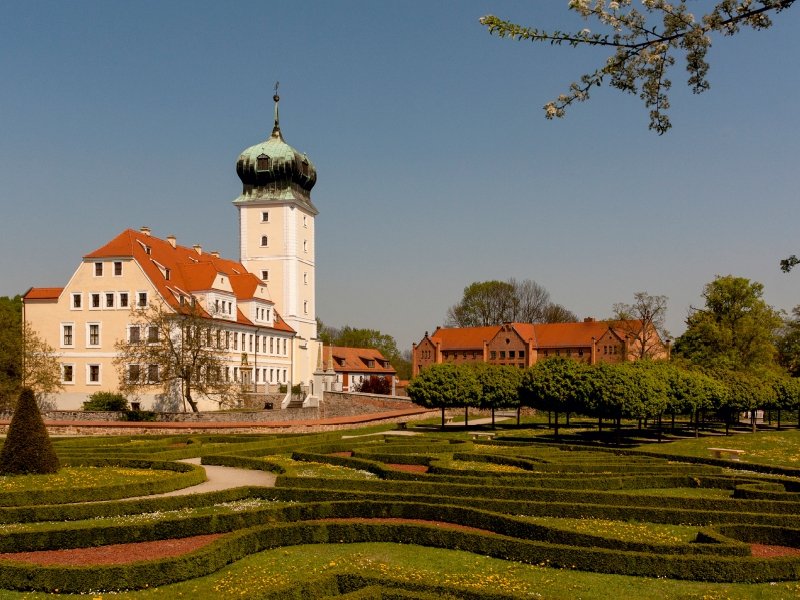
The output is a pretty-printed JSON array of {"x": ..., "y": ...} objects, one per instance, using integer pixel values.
[{"x": 295, "y": 402}]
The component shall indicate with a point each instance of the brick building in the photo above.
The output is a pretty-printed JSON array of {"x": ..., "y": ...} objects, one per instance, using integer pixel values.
[
  {"x": 353, "y": 365},
  {"x": 522, "y": 344}
]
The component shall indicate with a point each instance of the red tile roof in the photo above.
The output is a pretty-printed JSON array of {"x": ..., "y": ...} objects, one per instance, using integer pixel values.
[
  {"x": 546, "y": 335},
  {"x": 356, "y": 359},
  {"x": 43, "y": 293},
  {"x": 189, "y": 270}
]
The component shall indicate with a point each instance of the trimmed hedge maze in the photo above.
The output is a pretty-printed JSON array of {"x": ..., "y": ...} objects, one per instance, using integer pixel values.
[{"x": 577, "y": 508}]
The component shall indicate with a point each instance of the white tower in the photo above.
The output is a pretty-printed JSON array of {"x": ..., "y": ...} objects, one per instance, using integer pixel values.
[{"x": 276, "y": 237}]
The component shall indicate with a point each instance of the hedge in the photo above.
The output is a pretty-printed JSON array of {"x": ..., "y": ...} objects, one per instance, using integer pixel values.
[
  {"x": 67, "y": 579},
  {"x": 188, "y": 475}
]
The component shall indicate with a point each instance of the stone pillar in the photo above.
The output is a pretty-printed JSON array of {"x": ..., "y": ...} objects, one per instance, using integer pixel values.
[{"x": 593, "y": 352}]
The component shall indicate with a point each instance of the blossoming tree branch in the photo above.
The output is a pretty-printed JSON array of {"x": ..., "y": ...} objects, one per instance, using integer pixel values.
[{"x": 643, "y": 50}]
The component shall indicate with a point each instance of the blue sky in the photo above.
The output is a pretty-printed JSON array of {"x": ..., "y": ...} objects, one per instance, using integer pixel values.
[{"x": 436, "y": 167}]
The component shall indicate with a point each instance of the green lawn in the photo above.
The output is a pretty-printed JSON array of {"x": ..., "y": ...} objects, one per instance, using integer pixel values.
[
  {"x": 316, "y": 469},
  {"x": 268, "y": 570},
  {"x": 81, "y": 477},
  {"x": 772, "y": 447},
  {"x": 621, "y": 530}
]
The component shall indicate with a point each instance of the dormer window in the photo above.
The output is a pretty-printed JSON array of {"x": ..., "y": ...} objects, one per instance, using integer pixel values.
[
  {"x": 304, "y": 166},
  {"x": 166, "y": 274},
  {"x": 263, "y": 163},
  {"x": 147, "y": 250}
]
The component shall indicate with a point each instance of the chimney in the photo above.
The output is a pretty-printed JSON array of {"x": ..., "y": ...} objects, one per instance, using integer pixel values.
[
  {"x": 146, "y": 231},
  {"x": 198, "y": 248},
  {"x": 215, "y": 253},
  {"x": 173, "y": 241},
  {"x": 589, "y": 320}
]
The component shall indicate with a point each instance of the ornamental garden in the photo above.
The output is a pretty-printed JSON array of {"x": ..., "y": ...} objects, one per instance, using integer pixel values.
[{"x": 466, "y": 512}]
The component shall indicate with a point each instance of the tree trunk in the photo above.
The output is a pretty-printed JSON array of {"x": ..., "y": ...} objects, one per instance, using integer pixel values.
[
  {"x": 659, "y": 429},
  {"x": 769, "y": 416},
  {"x": 619, "y": 432},
  {"x": 696, "y": 424},
  {"x": 549, "y": 420},
  {"x": 518, "y": 411},
  {"x": 727, "y": 420},
  {"x": 191, "y": 402},
  {"x": 556, "y": 421},
  {"x": 466, "y": 417},
  {"x": 567, "y": 418},
  {"x": 600, "y": 424},
  {"x": 672, "y": 429},
  {"x": 779, "y": 419},
  {"x": 443, "y": 418},
  {"x": 493, "y": 417},
  {"x": 753, "y": 420}
]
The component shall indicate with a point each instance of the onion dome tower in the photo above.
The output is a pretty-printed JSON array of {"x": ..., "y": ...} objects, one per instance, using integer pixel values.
[
  {"x": 276, "y": 237},
  {"x": 273, "y": 170}
]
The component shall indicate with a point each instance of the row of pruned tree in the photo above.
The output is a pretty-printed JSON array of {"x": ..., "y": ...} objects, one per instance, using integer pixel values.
[{"x": 648, "y": 389}]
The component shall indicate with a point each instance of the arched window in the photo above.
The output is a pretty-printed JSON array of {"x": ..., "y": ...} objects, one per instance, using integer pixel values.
[
  {"x": 263, "y": 163},
  {"x": 264, "y": 240}
]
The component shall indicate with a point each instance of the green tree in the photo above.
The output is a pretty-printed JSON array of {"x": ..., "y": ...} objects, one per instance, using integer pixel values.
[
  {"x": 644, "y": 324},
  {"x": 559, "y": 385},
  {"x": 486, "y": 303},
  {"x": 745, "y": 392},
  {"x": 735, "y": 330},
  {"x": 499, "y": 386},
  {"x": 788, "y": 343},
  {"x": 786, "y": 392},
  {"x": 444, "y": 386},
  {"x": 352, "y": 337},
  {"x": 644, "y": 43},
  {"x": 27, "y": 448}
]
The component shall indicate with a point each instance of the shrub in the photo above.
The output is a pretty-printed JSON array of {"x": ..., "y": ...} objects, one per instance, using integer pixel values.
[
  {"x": 374, "y": 385},
  {"x": 110, "y": 401},
  {"x": 296, "y": 389},
  {"x": 141, "y": 415},
  {"x": 27, "y": 448}
]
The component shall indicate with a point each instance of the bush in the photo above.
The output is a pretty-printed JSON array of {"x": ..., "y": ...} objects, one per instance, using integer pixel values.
[
  {"x": 296, "y": 389},
  {"x": 27, "y": 448},
  {"x": 140, "y": 415},
  {"x": 109, "y": 401},
  {"x": 374, "y": 385}
]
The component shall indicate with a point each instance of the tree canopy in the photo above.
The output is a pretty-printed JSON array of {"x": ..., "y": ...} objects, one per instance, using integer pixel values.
[
  {"x": 643, "y": 322},
  {"x": 736, "y": 329},
  {"x": 352, "y": 337},
  {"x": 644, "y": 43},
  {"x": 486, "y": 303}
]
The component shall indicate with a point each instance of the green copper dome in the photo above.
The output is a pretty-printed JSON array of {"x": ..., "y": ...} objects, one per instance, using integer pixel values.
[{"x": 274, "y": 171}]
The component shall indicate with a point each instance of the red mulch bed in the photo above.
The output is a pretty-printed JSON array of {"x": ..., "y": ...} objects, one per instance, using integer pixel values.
[
  {"x": 115, "y": 554},
  {"x": 409, "y": 468},
  {"x": 762, "y": 551},
  {"x": 180, "y": 444},
  {"x": 416, "y": 521},
  {"x": 347, "y": 454}
]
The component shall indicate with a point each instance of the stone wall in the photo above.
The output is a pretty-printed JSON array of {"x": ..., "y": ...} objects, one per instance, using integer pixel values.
[{"x": 347, "y": 404}]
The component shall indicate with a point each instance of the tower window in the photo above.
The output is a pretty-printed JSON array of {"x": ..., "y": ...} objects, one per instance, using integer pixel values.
[
  {"x": 265, "y": 275},
  {"x": 265, "y": 216},
  {"x": 305, "y": 246},
  {"x": 263, "y": 163},
  {"x": 305, "y": 221},
  {"x": 305, "y": 306},
  {"x": 264, "y": 241},
  {"x": 304, "y": 167},
  {"x": 305, "y": 278}
]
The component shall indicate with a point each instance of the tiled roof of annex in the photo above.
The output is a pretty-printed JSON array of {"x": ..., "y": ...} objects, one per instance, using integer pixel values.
[
  {"x": 545, "y": 335},
  {"x": 190, "y": 271},
  {"x": 357, "y": 359},
  {"x": 49, "y": 293}
]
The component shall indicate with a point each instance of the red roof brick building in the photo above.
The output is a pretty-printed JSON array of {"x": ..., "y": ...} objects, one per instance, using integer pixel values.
[
  {"x": 353, "y": 365},
  {"x": 522, "y": 344}
]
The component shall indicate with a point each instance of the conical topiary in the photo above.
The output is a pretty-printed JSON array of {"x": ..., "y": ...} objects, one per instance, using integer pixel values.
[{"x": 28, "y": 448}]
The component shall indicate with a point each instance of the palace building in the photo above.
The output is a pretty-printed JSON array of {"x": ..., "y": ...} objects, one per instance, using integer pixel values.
[
  {"x": 522, "y": 344},
  {"x": 265, "y": 301}
]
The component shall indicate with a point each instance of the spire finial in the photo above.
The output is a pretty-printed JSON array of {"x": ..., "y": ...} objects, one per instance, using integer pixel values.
[{"x": 276, "y": 130}]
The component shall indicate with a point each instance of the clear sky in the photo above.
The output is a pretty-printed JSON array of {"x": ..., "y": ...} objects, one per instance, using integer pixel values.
[{"x": 436, "y": 167}]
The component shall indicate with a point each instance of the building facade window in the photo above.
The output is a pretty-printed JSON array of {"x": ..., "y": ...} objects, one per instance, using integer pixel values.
[
  {"x": 235, "y": 340},
  {"x": 93, "y": 334},
  {"x": 512, "y": 354},
  {"x": 134, "y": 373},
  {"x": 493, "y": 354},
  {"x": 123, "y": 300},
  {"x": 305, "y": 278},
  {"x": 152, "y": 334},
  {"x": 117, "y": 268},
  {"x": 109, "y": 299},
  {"x": 265, "y": 216},
  {"x": 522, "y": 353},
  {"x": 265, "y": 275},
  {"x": 152, "y": 373},
  {"x": 93, "y": 374},
  {"x": 305, "y": 245},
  {"x": 95, "y": 300},
  {"x": 264, "y": 241},
  {"x": 305, "y": 306},
  {"x": 580, "y": 352},
  {"x": 98, "y": 269},
  {"x": 67, "y": 373},
  {"x": 141, "y": 299},
  {"x": 134, "y": 335},
  {"x": 77, "y": 301},
  {"x": 305, "y": 221},
  {"x": 67, "y": 336}
]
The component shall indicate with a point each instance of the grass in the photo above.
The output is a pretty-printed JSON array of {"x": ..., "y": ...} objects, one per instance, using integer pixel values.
[
  {"x": 81, "y": 477},
  {"x": 248, "y": 578},
  {"x": 621, "y": 530},
  {"x": 712, "y": 493},
  {"x": 463, "y": 465},
  {"x": 772, "y": 447},
  {"x": 315, "y": 469}
]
